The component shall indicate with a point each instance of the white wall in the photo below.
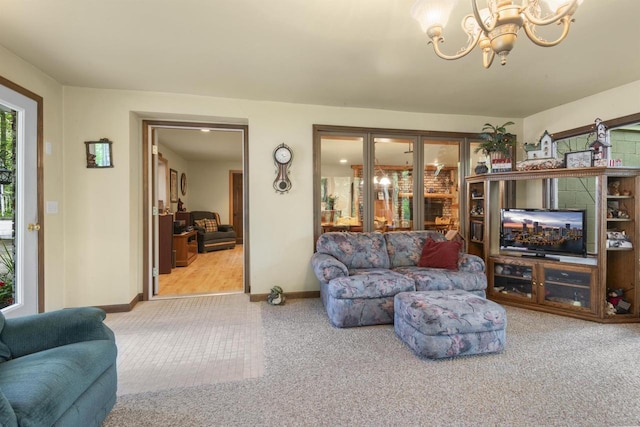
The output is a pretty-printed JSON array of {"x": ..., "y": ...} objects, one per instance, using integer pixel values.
[{"x": 209, "y": 187}]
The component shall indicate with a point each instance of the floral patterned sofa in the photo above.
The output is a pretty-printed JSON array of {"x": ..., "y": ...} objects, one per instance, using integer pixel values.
[{"x": 360, "y": 273}]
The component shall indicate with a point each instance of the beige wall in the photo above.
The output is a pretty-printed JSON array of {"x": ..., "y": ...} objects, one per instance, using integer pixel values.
[
  {"x": 281, "y": 226},
  {"x": 180, "y": 165},
  {"x": 93, "y": 250},
  {"x": 618, "y": 102},
  {"x": 209, "y": 186},
  {"x": 25, "y": 75}
]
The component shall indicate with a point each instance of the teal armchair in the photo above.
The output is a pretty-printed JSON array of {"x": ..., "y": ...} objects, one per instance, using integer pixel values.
[{"x": 57, "y": 368}]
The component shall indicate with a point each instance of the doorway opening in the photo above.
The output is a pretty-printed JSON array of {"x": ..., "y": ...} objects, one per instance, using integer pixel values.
[{"x": 191, "y": 215}]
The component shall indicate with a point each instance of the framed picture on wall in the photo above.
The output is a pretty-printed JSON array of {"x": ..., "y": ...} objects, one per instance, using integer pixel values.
[
  {"x": 173, "y": 185},
  {"x": 578, "y": 159}
]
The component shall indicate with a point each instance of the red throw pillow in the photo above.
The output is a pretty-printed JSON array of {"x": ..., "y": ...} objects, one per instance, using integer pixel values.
[{"x": 440, "y": 254}]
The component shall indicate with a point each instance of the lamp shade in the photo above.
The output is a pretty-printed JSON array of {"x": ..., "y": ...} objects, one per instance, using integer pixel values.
[
  {"x": 555, "y": 5},
  {"x": 431, "y": 13}
]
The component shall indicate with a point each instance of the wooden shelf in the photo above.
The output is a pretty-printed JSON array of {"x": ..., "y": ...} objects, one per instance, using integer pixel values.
[{"x": 431, "y": 195}]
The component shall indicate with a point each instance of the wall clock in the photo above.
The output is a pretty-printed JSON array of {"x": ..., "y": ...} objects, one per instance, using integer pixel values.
[
  {"x": 282, "y": 157},
  {"x": 183, "y": 184}
]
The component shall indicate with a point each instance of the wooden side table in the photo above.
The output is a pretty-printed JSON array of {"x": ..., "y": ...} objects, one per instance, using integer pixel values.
[
  {"x": 165, "y": 231},
  {"x": 186, "y": 247}
]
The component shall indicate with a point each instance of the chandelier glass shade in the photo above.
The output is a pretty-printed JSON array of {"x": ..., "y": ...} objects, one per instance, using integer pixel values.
[{"x": 494, "y": 29}]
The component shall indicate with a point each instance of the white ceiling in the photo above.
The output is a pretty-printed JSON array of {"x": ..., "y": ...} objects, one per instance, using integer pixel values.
[
  {"x": 357, "y": 53},
  {"x": 197, "y": 146}
]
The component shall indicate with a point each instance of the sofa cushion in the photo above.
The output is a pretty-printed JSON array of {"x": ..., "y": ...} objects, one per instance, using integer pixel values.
[
  {"x": 327, "y": 267},
  {"x": 438, "y": 279},
  {"x": 41, "y": 386},
  {"x": 218, "y": 235},
  {"x": 445, "y": 313},
  {"x": 371, "y": 283},
  {"x": 5, "y": 353},
  {"x": 355, "y": 250},
  {"x": 208, "y": 225},
  {"x": 7, "y": 416},
  {"x": 440, "y": 254},
  {"x": 405, "y": 247}
]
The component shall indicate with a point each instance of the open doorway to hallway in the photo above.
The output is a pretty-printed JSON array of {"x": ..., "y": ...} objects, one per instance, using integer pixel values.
[{"x": 193, "y": 245}]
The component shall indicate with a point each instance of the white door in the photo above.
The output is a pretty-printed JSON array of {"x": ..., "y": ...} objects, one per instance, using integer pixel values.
[{"x": 19, "y": 226}]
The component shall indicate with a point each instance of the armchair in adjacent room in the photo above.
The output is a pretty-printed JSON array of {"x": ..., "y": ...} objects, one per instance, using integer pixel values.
[{"x": 212, "y": 235}]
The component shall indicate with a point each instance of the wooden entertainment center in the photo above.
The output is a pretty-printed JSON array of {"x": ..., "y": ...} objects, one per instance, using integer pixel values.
[{"x": 572, "y": 286}]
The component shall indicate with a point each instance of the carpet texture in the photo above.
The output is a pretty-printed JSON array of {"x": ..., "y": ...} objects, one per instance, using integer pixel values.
[{"x": 555, "y": 371}]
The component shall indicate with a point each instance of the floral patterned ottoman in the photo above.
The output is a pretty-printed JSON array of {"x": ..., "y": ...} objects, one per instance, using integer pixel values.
[{"x": 437, "y": 324}]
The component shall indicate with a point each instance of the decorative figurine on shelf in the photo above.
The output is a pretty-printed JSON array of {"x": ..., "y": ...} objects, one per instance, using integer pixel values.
[
  {"x": 543, "y": 149},
  {"x": 481, "y": 168},
  {"x": 616, "y": 300},
  {"x": 613, "y": 188},
  {"x": 276, "y": 297},
  {"x": 540, "y": 155},
  {"x": 601, "y": 146},
  {"x": 181, "y": 207}
]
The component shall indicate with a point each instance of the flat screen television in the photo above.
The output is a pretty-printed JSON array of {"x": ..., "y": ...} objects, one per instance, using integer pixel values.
[{"x": 537, "y": 232}]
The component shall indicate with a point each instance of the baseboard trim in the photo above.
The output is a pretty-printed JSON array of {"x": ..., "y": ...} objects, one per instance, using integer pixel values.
[
  {"x": 121, "y": 308},
  {"x": 289, "y": 295}
]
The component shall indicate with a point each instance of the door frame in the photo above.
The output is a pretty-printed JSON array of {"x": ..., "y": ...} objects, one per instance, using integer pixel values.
[
  {"x": 147, "y": 196},
  {"x": 39, "y": 183}
]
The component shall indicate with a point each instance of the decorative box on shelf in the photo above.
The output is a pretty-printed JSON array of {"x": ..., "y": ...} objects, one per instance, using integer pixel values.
[{"x": 500, "y": 165}]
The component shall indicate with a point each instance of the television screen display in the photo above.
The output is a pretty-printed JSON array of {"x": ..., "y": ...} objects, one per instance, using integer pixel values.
[{"x": 543, "y": 231}]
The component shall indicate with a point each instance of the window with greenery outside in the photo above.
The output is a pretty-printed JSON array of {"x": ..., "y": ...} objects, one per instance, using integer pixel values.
[{"x": 7, "y": 206}]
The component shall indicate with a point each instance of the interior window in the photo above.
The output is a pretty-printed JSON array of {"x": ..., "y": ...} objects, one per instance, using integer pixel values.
[
  {"x": 393, "y": 183},
  {"x": 341, "y": 185},
  {"x": 383, "y": 182}
]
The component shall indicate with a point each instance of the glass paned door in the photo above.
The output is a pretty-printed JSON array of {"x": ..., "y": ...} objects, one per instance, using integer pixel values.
[
  {"x": 393, "y": 183},
  {"x": 19, "y": 228},
  {"x": 7, "y": 204},
  {"x": 341, "y": 183},
  {"x": 441, "y": 185}
]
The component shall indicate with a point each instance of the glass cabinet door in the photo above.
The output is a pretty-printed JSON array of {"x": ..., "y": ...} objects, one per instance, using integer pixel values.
[
  {"x": 512, "y": 280},
  {"x": 568, "y": 287}
]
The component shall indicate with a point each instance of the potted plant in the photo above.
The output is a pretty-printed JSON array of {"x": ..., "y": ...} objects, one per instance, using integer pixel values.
[
  {"x": 496, "y": 139},
  {"x": 7, "y": 274}
]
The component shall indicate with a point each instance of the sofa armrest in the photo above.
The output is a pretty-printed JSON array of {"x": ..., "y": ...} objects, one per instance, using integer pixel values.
[
  {"x": 7, "y": 415},
  {"x": 38, "y": 332},
  {"x": 225, "y": 227},
  {"x": 327, "y": 267},
  {"x": 470, "y": 263}
]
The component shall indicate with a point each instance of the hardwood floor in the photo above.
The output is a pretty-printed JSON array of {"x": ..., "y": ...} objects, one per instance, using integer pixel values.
[{"x": 211, "y": 273}]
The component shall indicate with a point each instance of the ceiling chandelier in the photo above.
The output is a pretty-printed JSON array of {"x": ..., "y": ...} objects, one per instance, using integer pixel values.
[{"x": 495, "y": 28}]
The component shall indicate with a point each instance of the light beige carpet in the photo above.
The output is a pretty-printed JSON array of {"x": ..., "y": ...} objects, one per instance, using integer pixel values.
[{"x": 555, "y": 371}]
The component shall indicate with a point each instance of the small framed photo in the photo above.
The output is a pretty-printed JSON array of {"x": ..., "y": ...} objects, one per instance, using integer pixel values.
[
  {"x": 380, "y": 195},
  {"x": 173, "y": 185},
  {"x": 578, "y": 159}
]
